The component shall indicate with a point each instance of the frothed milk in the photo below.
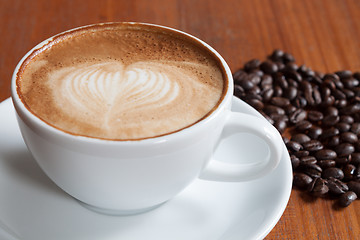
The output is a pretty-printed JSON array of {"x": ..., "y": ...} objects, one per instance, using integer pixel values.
[{"x": 121, "y": 81}]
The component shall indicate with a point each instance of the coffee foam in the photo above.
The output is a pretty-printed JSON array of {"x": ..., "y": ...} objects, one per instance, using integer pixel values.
[{"x": 121, "y": 83}]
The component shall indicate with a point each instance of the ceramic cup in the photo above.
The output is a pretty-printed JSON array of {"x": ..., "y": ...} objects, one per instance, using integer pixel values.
[{"x": 128, "y": 177}]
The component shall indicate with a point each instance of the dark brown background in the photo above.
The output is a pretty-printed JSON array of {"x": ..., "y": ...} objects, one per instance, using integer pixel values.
[{"x": 323, "y": 34}]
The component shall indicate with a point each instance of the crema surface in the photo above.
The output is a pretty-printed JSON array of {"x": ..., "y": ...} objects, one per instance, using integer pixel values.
[{"x": 121, "y": 82}]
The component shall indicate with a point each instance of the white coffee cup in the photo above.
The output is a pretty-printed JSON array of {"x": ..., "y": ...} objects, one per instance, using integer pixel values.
[{"x": 128, "y": 177}]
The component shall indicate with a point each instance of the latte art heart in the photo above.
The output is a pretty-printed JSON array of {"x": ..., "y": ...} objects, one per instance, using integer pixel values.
[
  {"x": 115, "y": 97},
  {"x": 97, "y": 87},
  {"x": 121, "y": 81}
]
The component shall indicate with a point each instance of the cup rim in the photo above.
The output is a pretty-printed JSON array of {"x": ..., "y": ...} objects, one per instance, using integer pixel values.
[{"x": 23, "y": 111}]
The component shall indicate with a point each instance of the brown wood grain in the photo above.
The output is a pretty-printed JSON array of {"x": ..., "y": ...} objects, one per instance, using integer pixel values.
[{"x": 323, "y": 34}]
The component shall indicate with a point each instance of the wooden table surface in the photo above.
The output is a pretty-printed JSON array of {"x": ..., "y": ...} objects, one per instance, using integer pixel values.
[{"x": 323, "y": 34}]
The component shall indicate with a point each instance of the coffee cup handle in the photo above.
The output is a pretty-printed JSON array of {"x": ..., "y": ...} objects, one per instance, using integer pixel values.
[{"x": 237, "y": 172}]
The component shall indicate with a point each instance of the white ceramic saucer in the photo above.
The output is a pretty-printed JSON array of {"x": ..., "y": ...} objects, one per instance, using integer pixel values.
[{"x": 34, "y": 208}]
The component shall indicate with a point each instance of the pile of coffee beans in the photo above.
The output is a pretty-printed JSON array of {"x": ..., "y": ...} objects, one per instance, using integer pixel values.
[{"x": 318, "y": 116}]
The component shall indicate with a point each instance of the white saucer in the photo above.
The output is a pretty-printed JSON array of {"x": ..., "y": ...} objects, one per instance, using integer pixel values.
[{"x": 34, "y": 208}]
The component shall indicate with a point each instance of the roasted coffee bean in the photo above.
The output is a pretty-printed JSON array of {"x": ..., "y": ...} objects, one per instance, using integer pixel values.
[
  {"x": 344, "y": 149},
  {"x": 355, "y": 158},
  {"x": 239, "y": 91},
  {"x": 294, "y": 146},
  {"x": 325, "y": 92},
  {"x": 312, "y": 172},
  {"x": 252, "y": 64},
  {"x": 340, "y": 161},
  {"x": 351, "y": 109},
  {"x": 303, "y": 70},
  {"x": 330, "y": 120},
  {"x": 301, "y": 180},
  {"x": 330, "y": 132},
  {"x": 355, "y": 187},
  {"x": 344, "y": 74},
  {"x": 340, "y": 103},
  {"x": 300, "y": 154},
  {"x": 346, "y": 119},
  {"x": 265, "y": 87},
  {"x": 348, "y": 93},
  {"x": 280, "y": 101},
  {"x": 255, "y": 91},
  {"x": 278, "y": 91},
  {"x": 331, "y": 111},
  {"x": 315, "y": 116},
  {"x": 333, "y": 141},
  {"x": 299, "y": 102},
  {"x": 280, "y": 80},
  {"x": 252, "y": 96},
  {"x": 326, "y": 163},
  {"x": 257, "y": 72},
  {"x": 349, "y": 170},
  {"x": 292, "y": 74},
  {"x": 355, "y": 128},
  {"x": 336, "y": 186},
  {"x": 314, "y": 132},
  {"x": 300, "y": 138},
  {"x": 266, "y": 79},
  {"x": 317, "y": 78},
  {"x": 356, "y": 98},
  {"x": 313, "y": 145},
  {"x": 319, "y": 188},
  {"x": 277, "y": 55},
  {"x": 291, "y": 93},
  {"x": 333, "y": 172},
  {"x": 308, "y": 165},
  {"x": 343, "y": 127},
  {"x": 246, "y": 84},
  {"x": 295, "y": 161},
  {"x": 292, "y": 83},
  {"x": 254, "y": 78},
  {"x": 279, "y": 117},
  {"x": 297, "y": 116},
  {"x": 311, "y": 169},
  {"x": 338, "y": 94},
  {"x": 350, "y": 82},
  {"x": 348, "y": 137},
  {"x": 303, "y": 125},
  {"x": 325, "y": 154},
  {"x": 267, "y": 94},
  {"x": 239, "y": 76},
  {"x": 257, "y": 104},
  {"x": 308, "y": 91},
  {"x": 287, "y": 58},
  {"x": 347, "y": 198},
  {"x": 291, "y": 66},
  {"x": 268, "y": 67},
  {"x": 333, "y": 77},
  {"x": 308, "y": 160},
  {"x": 270, "y": 109},
  {"x": 317, "y": 96},
  {"x": 280, "y": 125},
  {"x": 280, "y": 65},
  {"x": 289, "y": 109},
  {"x": 328, "y": 101},
  {"x": 328, "y": 83}
]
